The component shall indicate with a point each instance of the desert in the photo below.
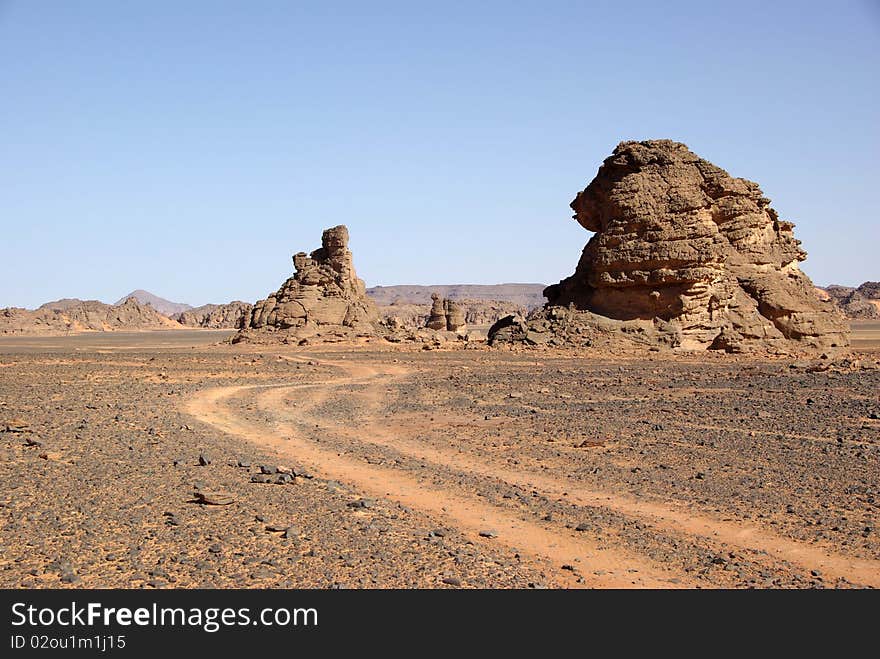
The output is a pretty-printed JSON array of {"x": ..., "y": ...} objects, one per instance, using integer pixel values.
[
  {"x": 380, "y": 467},
  {"x": 471, "y": 323},
  {"x": 687, "y": 410}
]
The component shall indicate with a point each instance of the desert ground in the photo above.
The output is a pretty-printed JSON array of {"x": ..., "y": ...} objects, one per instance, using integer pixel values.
[{"x": 171, "y": 460}]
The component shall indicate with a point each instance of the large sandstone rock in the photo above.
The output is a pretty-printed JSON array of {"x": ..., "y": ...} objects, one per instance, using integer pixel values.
[
  {"x": 686, "y": 255},
  {"x": 324, "y": 297}
]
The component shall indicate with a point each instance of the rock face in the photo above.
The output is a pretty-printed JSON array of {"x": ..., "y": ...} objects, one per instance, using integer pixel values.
[
  {"x": 324, "y": 297},
  {"x": 233, "y": 315},
  {"x": 687, "y": 255}
]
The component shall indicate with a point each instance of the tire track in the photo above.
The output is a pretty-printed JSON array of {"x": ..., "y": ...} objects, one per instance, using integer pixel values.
[{"x": 473, "y": 515}]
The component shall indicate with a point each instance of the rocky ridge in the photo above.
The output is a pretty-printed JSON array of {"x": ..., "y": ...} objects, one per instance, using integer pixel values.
[{"x": 71, "y": 315}]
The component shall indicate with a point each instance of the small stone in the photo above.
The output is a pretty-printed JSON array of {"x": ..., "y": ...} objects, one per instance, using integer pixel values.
[
  {"x": 585, "y": 526},
  {"x": 16, "y": 425},
  {"x": 244, "y": 464},
  {"x": 488, "y": 533},
  {"x": 69, "y": 577},
  {"x": 214, "y": 498},
  {"x": 204, "y": 460},
  {"x": 215, "y": 549},
  {"x": 452, "y": 581}
]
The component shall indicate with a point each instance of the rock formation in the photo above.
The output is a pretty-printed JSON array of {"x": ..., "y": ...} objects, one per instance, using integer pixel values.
[
  {"x": 437, "y": 315},
  {"x": 862, "y": 303},
  {"x": 233, "y": 315},
  {"x": 72, "y": 315},
  {"x": 455, "y": 321},
  {"x": 686, "y": 255},
  {"x": 528, "y": 296},
  {"x": 324, "y": 298},
  {"x": 400, "y": 315},
  {"x": 870, "y": 290},
  {"x": 445, "y": 315}
]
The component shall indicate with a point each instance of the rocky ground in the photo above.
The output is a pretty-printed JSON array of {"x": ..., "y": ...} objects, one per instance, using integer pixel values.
[{"x": 162, "y": 463}]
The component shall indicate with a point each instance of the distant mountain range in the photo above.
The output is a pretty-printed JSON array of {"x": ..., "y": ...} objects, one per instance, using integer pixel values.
[
  {"x": 524, "y": 295},
  {"x": 163, "y": 306}
]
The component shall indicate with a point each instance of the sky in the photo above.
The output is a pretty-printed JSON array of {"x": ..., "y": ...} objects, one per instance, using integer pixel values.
[{"x": 191, "y": 147}]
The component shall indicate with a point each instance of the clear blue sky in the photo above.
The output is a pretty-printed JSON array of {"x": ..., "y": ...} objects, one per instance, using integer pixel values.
[{"x": 189, "y": 148}]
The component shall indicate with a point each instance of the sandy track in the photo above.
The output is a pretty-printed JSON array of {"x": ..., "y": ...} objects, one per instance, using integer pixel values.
[{"x": 558, "y": 546}]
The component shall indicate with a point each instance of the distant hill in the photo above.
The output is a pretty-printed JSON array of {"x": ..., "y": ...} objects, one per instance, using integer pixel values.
[
  {"x": 163, "y": 306},
  {"x": 524, "y": 295}
]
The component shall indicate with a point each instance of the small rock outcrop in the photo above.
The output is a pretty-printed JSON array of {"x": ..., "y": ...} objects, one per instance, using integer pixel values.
[
  {"x": 684, "y": 255},
  {"x": 233, "y": 315},
  {"x": 476, "y": 313},
  {"x": 862, "y": 303},
  {"x": 324, "y": 299}
]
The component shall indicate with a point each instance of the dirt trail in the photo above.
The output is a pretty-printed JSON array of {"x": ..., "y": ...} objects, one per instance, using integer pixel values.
[
  {"x": 559, "y": 546},
  {"x": 468, "y": 514}
]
